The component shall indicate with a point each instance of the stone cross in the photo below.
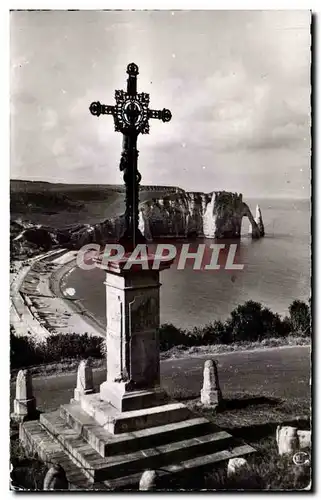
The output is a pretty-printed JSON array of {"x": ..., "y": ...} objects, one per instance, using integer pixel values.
[
  {"x": 211, "y": 393},
  {"x": 132, "y": 295},
  {"x": 131, "y": 117},
  {"x": 24, "y": 403}
]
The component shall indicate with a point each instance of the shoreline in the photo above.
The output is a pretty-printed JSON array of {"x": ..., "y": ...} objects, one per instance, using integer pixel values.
[
  {"x": 55, "y": 282},
  {"x": 38, "y": 307}
]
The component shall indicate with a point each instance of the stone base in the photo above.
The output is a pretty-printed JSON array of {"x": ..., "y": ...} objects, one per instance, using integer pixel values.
[
  {"x": 116, "y": 421},
  {"x": 211, "y": 398},
  {"x": 167, "y": 438},
  {"x": 78, "y": 393},
  {"x": 118, "y": 395},
  {"x": 24, "y": 410}
]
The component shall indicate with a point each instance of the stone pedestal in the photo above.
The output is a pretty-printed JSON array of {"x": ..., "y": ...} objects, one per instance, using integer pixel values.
[
  {"x": 84, "y": 379},
  {"x": 24, "y": 405},
  {"x": 132, "y": 305},
  {"x": 211, "y": 394}
]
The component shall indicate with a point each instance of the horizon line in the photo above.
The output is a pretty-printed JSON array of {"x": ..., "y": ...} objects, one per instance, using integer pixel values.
[{"x": 161, "y": 185}]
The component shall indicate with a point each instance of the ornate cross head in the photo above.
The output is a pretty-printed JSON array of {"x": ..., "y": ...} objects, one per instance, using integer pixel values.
[{"x": 131, "y": 112}]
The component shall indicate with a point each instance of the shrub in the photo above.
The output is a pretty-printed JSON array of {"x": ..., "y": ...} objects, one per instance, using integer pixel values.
[
  {"x": 251, "y": 322},
  {"x": 194, "y": 337},
  {"x": 25, "y": 352},
  {"x": 73, "y": 346},
  {"x": 170, "y": 336},
  {"x": 27, "y": 471},
  {"x": 22, "y": 352},
  {"x": 217, "y": 333},
  {"x": 300, "y": 317},
  {"x": 211, "y": 334},
  {"x": 247, "y": 322}
]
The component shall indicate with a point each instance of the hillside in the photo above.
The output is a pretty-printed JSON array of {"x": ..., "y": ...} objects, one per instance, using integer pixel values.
[
  {"x": 44, "y": 215},
  {"x": 62, "y": 205}
]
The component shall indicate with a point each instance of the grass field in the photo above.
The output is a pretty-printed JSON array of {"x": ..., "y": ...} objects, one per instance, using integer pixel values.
[{"x": 60, "y": 205}]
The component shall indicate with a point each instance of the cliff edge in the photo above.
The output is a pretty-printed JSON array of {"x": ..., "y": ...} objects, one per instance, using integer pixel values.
[
  {"x": 214, "y": 215},
  {"x": 165, "y": 212}
]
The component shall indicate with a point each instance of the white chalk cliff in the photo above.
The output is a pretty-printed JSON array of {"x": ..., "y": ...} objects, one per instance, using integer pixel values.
[
  {"x": 214, "y": 215},
  {"x": 177, "y": 214}
]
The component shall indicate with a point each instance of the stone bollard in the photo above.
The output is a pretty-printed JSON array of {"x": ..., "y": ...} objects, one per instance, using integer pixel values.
[
  {"x": 235, "y": 465},
  {"x": 211, "y": 394},
  {"x": 84, "y": 379},
  {"x": 24, "y": 405},
  {"x": 148, "y": 481},
  {"x": 287, "y": 439},
  {"x": 55, "y": 479}
]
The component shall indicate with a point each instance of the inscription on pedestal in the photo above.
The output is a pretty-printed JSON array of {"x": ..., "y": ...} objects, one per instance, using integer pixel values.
[
  {"x": 143, "y": 321},
  {"x": 144, "y": 314},
  {"x": 145, "y": 363}
]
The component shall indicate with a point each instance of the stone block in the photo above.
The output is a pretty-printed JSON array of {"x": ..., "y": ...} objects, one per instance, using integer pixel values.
[
  {"x": 84, "y": 379},
  {"x": 235, "y": 465},
  {"x": 211, "y": 394},
  {"x": 304, "y": 439},
  {"x": 123, "y": 399},
  {"x": 287, "y": 439},
  {"x": 148, "y": 481},
  {"x": 24, "y": 405},
  {"x": 116, "y": 422}
]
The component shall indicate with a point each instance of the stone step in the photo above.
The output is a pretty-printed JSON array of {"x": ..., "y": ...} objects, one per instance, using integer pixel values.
[
  {"x": 117, "y": 422},
  {"x": 107, "y": 444},
  {"x": 37, "y": 440},
  {"x": 199, "y": 464},
  {"x": 101, "y": 469}
]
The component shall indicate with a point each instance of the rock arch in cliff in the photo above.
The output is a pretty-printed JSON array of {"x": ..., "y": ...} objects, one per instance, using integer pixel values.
[
  {"x": 223, "y": 217},
  {"x": 254, "y": 229}
]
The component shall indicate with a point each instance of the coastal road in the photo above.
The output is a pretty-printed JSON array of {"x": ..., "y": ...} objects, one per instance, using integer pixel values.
[{"x": 281, "y": 373}]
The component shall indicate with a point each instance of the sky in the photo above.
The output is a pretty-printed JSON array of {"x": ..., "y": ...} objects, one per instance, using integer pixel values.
[{"x": 237, "y": 84}]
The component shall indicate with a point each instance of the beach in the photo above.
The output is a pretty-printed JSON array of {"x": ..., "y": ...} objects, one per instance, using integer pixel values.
[{"x": 38, "y": 307}]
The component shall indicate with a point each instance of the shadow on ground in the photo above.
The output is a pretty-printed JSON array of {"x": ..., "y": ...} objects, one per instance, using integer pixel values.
[
  {"x": 254, "y": 433},
  {"x": 252, "y": 417},
  {"x": 237, "y": 404}
]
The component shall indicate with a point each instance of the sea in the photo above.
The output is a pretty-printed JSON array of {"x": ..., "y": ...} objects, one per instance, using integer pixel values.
[{"x": 277, "y": 270}]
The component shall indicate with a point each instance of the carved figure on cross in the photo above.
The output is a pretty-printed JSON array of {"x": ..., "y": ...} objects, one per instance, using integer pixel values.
[{"x": 131, "y": 117}]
